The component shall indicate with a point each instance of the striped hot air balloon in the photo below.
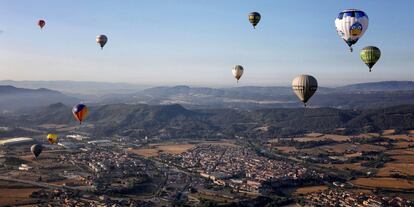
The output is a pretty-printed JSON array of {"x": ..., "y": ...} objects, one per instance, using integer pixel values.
[
  {"x": 80, "y": 111},
  {"x": 254, "y": 18},
  {"x": 370, "y": 55},
  {"x": 304, "y": 87}
]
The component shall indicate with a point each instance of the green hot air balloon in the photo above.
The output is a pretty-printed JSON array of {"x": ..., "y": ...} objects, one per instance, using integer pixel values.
[
  {"x": 254, "y": 18},
  {"x": 370, "y": 55}
]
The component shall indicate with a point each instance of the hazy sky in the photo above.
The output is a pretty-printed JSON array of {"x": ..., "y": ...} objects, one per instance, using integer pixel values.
[{"x": 197, "y": 42}]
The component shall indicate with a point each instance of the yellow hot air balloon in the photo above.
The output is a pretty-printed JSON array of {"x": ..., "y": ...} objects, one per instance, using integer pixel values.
[{"x": 52, "y": 138}]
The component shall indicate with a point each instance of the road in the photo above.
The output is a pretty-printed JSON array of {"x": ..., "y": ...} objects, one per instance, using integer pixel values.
[{"x": 44, "y": 185}]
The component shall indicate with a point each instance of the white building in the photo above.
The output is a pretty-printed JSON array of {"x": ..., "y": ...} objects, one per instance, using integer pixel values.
[{"x": 24, "y": 167}]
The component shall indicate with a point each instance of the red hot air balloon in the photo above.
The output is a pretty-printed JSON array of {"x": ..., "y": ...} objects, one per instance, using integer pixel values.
[
  {"x": 80, "y": 111},
  {"x": 41, "y": 23}
]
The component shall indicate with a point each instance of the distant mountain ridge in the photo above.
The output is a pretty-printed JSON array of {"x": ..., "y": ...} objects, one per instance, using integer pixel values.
[
  {"x": 381, "y": 86},
  {"x": 77, "y": 87},
  {"x": 365, "y": 95},
  {"x": 12, "y": 98}
]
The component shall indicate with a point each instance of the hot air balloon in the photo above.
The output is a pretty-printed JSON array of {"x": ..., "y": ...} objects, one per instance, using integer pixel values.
[
  {"x": 80, "y": 111},
  {"x": 41, "y": 23},
  {"x": 351, "y": 24},
  {"x": 370, "y": 55},
  {"x": 36, "y": 149},
  {"x": 237, "y": 72},
  {"x": 101, "y": 40},
  {"x": 254, "y": 18},
  {"x": 304, "y": 87},
  {"x": 52, "y": 138}
]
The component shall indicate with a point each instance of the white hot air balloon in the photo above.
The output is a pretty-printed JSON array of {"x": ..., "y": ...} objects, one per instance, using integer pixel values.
[
  {"x": 237, "y": 72},
  {"x": 101, "y": 40},
  {"x": 304, "y": 87},
  {"x": 351, "y": 24}
]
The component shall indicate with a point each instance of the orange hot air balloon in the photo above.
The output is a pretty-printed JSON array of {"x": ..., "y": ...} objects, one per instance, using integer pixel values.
[
  {"x": 80, "y": 111},
  {"x": 41, "y": 23}
]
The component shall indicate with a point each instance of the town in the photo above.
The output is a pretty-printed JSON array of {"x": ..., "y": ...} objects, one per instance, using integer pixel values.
[{"x": 146, "y": 172}]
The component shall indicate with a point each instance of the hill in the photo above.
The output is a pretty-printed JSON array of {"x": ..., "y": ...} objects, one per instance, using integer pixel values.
[
  {"x": 12, "y": 98},
  {"x": 381, "y": 86},
  {"x": 175, "y": 121},
  {"x": 366, "y": 95}
]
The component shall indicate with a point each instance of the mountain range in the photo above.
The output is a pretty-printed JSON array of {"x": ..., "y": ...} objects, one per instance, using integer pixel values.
[
  {"x": 175, "y": 121},
  {"x": 12, "y": 98},
  {"x": 364, "y": 95}
]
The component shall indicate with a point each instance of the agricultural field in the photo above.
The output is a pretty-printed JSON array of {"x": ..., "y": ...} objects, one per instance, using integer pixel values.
[
  {"x": 392, "y": 168},
  {"x": 347, "y": 166},
  {"x": 391, "y": 183},
  {"x": 10, "y": 196},
  {"x": 287, "y": 149},
  {"x": 401, "y": 137},
  {"x": 155, "y": 149},
  {"x": 321, "y": 137},
  {"x": 309, "y": 189}
]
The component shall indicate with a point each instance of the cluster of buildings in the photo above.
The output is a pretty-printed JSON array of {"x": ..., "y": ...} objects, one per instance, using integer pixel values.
[
  {"x": 69, "y": 198},
  {"x": 106, "y": 167},
  {"x": 337, "y": 197},
  {"x": 238, "y": 167}
]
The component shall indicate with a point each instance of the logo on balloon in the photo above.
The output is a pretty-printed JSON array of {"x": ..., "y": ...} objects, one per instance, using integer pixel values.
[{"x": 356, "y": 29}]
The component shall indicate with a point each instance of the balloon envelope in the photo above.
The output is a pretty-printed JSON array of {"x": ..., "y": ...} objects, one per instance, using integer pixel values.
[
  {"x": 370, "y": 55},
  {"x": 80, "y": 111},
  {"x": 237, "y": 72},
  {"x": 101, "y": 40},
  {"x": 351, "y": 24},
  {"x": 254, "y": 18},
  {"x": 52, "y": 138},
  {"x": 304, "y": 87},
  {"x": 36, "y": 149},
  {"x": 41, "y": 23}
]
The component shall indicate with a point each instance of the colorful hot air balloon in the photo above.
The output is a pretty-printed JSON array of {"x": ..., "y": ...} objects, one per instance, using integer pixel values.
[
  {"x": 370, "y": 55},
  {"x": 36, "y": 149},
  {"x": 254, "y": 18},
  {"x": 237, "y": 72},
  {"x": 41, "y": 23},
  {"x": 52, "y": 138},
  {"x": 80, "y": 111},
  {"x": 101, "y": 40},
  {"x": 304, "y": 87},
  {"x": 351, "y": 24}
]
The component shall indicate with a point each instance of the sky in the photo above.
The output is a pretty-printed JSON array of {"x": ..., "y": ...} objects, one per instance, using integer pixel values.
[{"x": 189, "y": 42}]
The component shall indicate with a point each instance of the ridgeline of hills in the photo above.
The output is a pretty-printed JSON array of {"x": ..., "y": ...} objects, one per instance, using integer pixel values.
[
  {"x": 12, "y": 98},
  {"x": 364, "y": 95},
  {"x": 175, "y": 121},
  {"x": 77, "y": 87}
]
